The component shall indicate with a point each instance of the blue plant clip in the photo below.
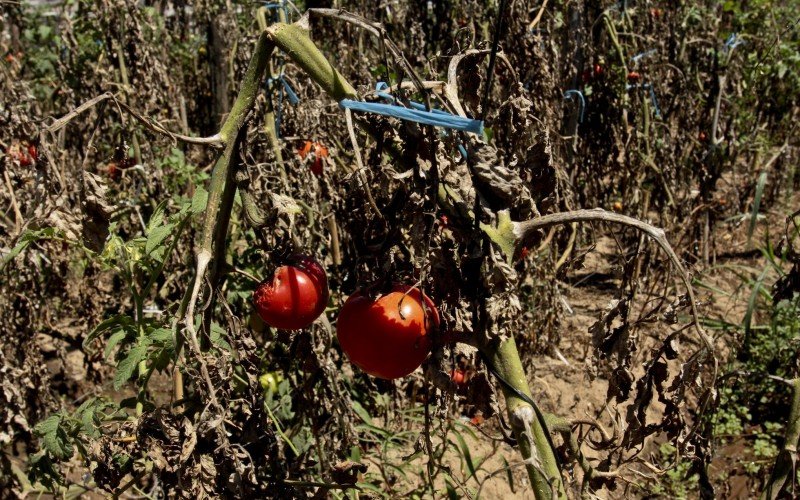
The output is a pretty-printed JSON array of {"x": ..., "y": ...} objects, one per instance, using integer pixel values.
[
  {"x": 651, "y": 90},
  {"x": 277, "y": 6},
  {"x": 638, "y": 57},
  {"x": 732, "y": 42},
  {"x": 416, "y": 113},
  {"x": 568, "y": 96},
  {"x": 290, "y": 93}
]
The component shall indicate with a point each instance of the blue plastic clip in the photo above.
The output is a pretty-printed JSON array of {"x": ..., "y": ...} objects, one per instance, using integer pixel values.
[
  {"x": 648, "y": 87},
  {"x": 732, "y": 42},
  {"x": 290, "y": 93},
  {"x": 416, "y": 113},
  {"x": 568, "y": 96},
  {"x": 276, "y": 6},
  {"x": 638, "y": 57}
]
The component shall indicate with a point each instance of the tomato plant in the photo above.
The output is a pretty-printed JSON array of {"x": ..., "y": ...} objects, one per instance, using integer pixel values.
[
  {"x": 387, "y": 336},
  {"x": 295, "y": 296}
]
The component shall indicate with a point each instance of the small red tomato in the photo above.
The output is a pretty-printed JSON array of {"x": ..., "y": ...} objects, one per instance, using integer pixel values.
[
  {"x": 296, "y": 295},
  {"x": 387, "y": 336},
  {"x": 19, "y": 152},
  {"x": 702, "y": 136},
  {"x": 598, "y": 70},
  {"x": 476, "y": 420},
  {"x": 113, "y": 171},
  {"x": 33, "y": 152},
  {"x": 320, "y": 152},
  {"x": 10, "y": 58},
  {"x": 523, "y": 253},
  {"x": 633, "y": 76},
  {"x": 458, "y": 376}
]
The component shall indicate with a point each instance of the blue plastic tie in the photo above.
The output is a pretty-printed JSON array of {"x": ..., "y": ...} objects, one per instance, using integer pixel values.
[
  {"x": 732, "y": 42},
  {"x": 648, "y": 87},
  {"x": 462, "y": 150},
  {"x": 568, "y": 96},
  {"x": 638, "y": 57},
  {"x": 291, "y": 95},
  {"x": 416, "y": 113},
  {"x": 276, "y": 6}
]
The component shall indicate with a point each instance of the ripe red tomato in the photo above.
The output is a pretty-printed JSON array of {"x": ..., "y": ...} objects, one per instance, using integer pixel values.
[
  {"x": 387, "y": 336},
  {"x": 458, "y": 376},
  {"x": 702, "y": 136},
  {"x": 598, "y": 70},
  {"x": 633, "y": 76},
  {"x": 296, "y": 295},
  {"x": 320, "y": 152},
  {"x": 113, "y": 171},
  {"x": 19, "y": 152}
]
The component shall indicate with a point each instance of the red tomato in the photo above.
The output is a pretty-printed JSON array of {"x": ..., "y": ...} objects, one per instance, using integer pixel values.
[
  {"x": 523, "y": 253},
  {"x": 633, "y": 76},
  {"x": 113, "y": 171},
  {"x": 320, "y": 152},
  {"x": 19, "y": 152},
  {"x": 33, "y": 153},
  {"x": 458, "y": 376},
  {"x": 387, "y": 336},
  {"x": 296, "y": 296},
  {"x": 702, "y": 136},
  {"x": 598, "y": 70}
]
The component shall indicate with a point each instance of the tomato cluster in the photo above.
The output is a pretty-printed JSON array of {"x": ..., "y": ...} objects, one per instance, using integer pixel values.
[{"x": 387, "y": 335}]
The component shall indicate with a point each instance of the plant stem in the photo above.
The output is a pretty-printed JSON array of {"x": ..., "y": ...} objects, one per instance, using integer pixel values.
[
  {"x": 534, "y": 445},
  {"x": 786, "y": 461}
]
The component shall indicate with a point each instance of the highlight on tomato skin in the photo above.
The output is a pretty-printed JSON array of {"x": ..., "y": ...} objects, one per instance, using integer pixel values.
[
  {"x": 295, "y": 296},
  {"x": 387, "y": 336}
]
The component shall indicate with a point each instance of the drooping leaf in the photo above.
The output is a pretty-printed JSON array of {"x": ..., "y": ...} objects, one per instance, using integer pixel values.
[
  {"x": 118, "y": 322},
  {"x": 54, "y": 437}
]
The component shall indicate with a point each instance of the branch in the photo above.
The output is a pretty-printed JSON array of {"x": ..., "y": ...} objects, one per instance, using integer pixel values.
[{"x": 153, "y": 125}]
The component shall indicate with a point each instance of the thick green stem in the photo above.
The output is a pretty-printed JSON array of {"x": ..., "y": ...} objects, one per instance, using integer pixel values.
[
  {"x": 786, "y": 461},
  {"x": 534, "y": 444},
  {"x": 294, "y": 40}
]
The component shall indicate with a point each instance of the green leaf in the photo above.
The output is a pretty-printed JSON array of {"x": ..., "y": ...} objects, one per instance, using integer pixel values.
[
  {"x": 25, "y": 240},
  {"x": 127, "y": 367},
  {"x": 199, "y": 200},
  {"x": 465, "y": 453},
  {"x": 156, "y": 237},
  {"x": 762, "y": 179},
  {"x": 118, "y": 322},
  {"x": 54, "y": 437},
  {"x": 217, "y": 338},
  {"x": 113, "y": 340},
  {"x": 362, "y": 413},
  {"x": 157, "y": 219},
  {"x": 162, "y": 336}
]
